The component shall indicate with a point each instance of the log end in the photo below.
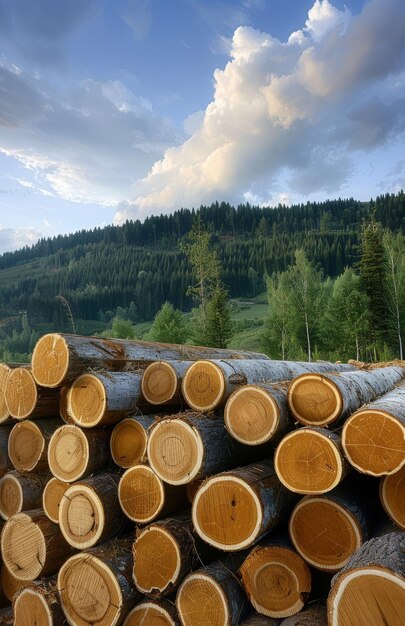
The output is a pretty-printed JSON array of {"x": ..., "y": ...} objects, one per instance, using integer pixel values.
[
  {"x": 23, "y": 546},
  {"x": 314, "y": 400},
  {"x": 4, "y": 374},
  {"x": 21, "y": 393},
  {"x": 200, "y": 600},
  {"x": 159, "y": 383},
  {"x": 157, "y": 561},
  {"x": 11, "y": 496},
  {"x": 392, "y": 496},
  {"x": 251, "y": 415},
  {"x": 52, "y": 496},
  {"x": 10, "y": 584},
  {"x": 68, "y": 453},
  {"x": 81, "y": 516},
  {"x": 203, "y": 386},
  {"x": 141, "y": 494},
  {"x": 86, "y": 401},
  {"x": 30, "y": 607},
  {"x": 128, "y": 443},
  {"x": 50, "y": 360},
  {"x": 25, "y": 446},
  {"x": 151, "y": 614}
]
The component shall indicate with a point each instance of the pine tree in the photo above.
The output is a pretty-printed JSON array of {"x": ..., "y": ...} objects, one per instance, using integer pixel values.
[{"x": 218, "y": 325}]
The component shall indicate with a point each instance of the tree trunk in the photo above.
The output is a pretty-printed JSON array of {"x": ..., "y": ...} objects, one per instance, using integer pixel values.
[
  {"x": 21, "y": 492},
  {"x": 370, "y": 590},
  {"x": 392, "y": 496},
  {"x": 161, "y": 382},
  {"x": 310, "y": 460},
  {"x": 63, "y": 405},
  {"x": 5, "y": 370},
  {"x": 52, "y": 495},
  {"x": 260, "y": 620},
  {"x": 373, "y": 438},
  {"x": 311, "y": 615},
  {"x": 24, "y": 399},
  {"x": 323, "y": 399},
  {"x": 5, "y": 463},
  {"x": 233, "y": 510},
  {"x": 144, "y": 497},
  {"x": 208, "y": 384},
  {"x": 129, "y": 440},
  {"x": 9, "y": 584},
  {"x": 60, "y": 358},
  {"x": 29, "y": 441},
  {"x": 153, "y": 613},
  {"x": 38, "y": 603},
  {"x": 74, "y": 453}
]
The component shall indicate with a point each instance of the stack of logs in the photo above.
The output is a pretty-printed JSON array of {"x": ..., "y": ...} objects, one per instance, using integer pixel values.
[{"x": 163, "y": 485}]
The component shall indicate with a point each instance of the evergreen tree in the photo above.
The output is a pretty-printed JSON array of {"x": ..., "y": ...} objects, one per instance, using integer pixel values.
[
  {"x": 278, "y": 331},
  {"x": 218, "y": 325},
  {"x": 395, "y": 254},
  {"x": 168, "y": 326}
]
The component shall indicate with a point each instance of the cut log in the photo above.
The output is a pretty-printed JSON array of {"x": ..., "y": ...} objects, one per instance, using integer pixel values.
[
  {"x": 322, "y": 399},
  {"x": 5, "y": 463},
  {"x": 190, "y": 446},
  {"x": 233, "y": 510},
  {"x": 144, "y": 497},
  {"x": 59, "y": 358},
  {"x": 95, "y": 587},
  {"x": 63, "y": 405},
  {"x": 310, "y": 460},
  {"x": 89, "y": 511},
  {"x": 164, "y": 553},
  {"x": 192, "y": 488},
  {"x": 104, "y": 398},
  {"x": 392, "y": 496},
  {"x": 10, "y": 584},
  {"x": 374, "y": 437},
  {"x": 28, "y": 443},
  {"x": 51, "y": 497},
  {"x": 74, "y": 453},
  {"x": 32, "y": 546},
  {"x": 370, "y": 590},
  {"x": 4, "y": 373},
  {"x": 38, "y": 604},
  {"x": 213, "y": 595},
  {"x": 312, "y": 615},
  {"x": 161, "y": 382},
  {"x": 129, "y": 440},
  {"x": 24, "y": 399},
  {"x": 276, "y": 579},
  {"x": 208, "y": 384},
  {"x": 256, "y": 414},
  {"x": 21, "y": 492},
  {"x": 260, "y": 620},
  {"x": 153, "y": 613}
]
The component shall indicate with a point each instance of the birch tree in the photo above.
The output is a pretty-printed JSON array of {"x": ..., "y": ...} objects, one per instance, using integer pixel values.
[{"x": 394, "y": 246}]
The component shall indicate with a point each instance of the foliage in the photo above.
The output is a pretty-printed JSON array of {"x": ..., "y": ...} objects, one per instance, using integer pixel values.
[
  {"x": 120, "y": 329},
  {"x": 218, "y": 330},
  {"x": 168, "y": 326}
]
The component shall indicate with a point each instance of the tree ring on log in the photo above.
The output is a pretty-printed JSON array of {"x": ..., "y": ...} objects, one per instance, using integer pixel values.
[
  {"x": 227, "y": 513},
  {"x": 141, "y": 494},
  {"x": 159, "y": 383},
  {"x": 11, "y": 496},
  {"x": 307, "y": 461},
  {"x": 392, "y": 496},
  {"x": 128, "y": 443},
  {"x": 86, "y": 401},
  {"x": 203, "y": 386},
  {"x": 251, "y": 415},
  {"x": 21, "y": 393},
  {"x": 314, "y": 400},
  {"x": 4, "y": 374},
  {"x": 50, "y": 360},
  {"x": 31, "y": 608},
  {"x": 324, "y": 533},
  {"x": 374, "y": 442},
  {"x": 175, "y": 451},
  {"x": 25, "y": 446},
  {"x": 81, "y": 516},
  {"x": 149, "y": 614},
  {"x": 52, "y": 496},
  {"x": 23, "y": 547},
  {"x": 68, "y": 453},
  {"x": 157, "y": 561},
  {"x": 89, "y": 591},
  {"x": 201, "y": 601}
]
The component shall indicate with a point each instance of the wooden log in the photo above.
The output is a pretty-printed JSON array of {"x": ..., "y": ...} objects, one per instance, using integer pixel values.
[
  {"x": 21, "y": 492},
  {"x": 213, "y": 595},
  {"x": 10, "y": 584},
  {"x": 95, "y": 586},
  {"x": 129, "y": 440},
  {"x": 59, "y": 358},
  {"x": 256, "y": 414},
  {"x": 89, "y": 511},
  {"x": 52, "y": 496},
  {"x": 373, "y": 438},
  {"x": 164, "y": 553},
  {"x": 32, "y": 546},
  {"x": 370, "y": 589},
  {"x": 104, "y": 398},
  {"x": 312, "y": 615},
  {"x": 392, "y": 496},
  {"x": 28, "y": 443},
  {"x": 260, "y": 620},
  {"x": 233, "y": 510},
  {"x": 208, "y": 384},
  {"x": 161, "y": 382},
  {"x": 190, "y": 446},
  {"x": 74, "y": 453},
  {"x": 24, "y": 399},
  {"x": 63, "y": 405},
  {"x": 7, "y": 616},
  {"x": 153, "y": 613},
  {"x": 310, "y": 460},
  {"x": 39, "y": 604},
  {"x": 276, "y": 579},
  {"x": 5, "y": 370},
  {"x": 144, "y": 497},
  {"x": 5, "y": 463},
  {"x": 322, "y": 399}
]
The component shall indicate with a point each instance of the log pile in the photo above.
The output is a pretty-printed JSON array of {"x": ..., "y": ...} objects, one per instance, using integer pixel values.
[{"x": 163, "y": 485}]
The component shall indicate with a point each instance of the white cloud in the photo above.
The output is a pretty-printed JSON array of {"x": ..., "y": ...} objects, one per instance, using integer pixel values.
[{"x": 13, "y": 239}]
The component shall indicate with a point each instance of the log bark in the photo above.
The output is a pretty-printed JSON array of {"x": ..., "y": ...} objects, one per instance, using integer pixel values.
[
  {"x": 26, "y": 400},
  {"x": 95, "y": 586},
  {"x": 5, "y": 463},
  {"x": 144, "y": 497},
  {"x": 5, "y": 370},
  {"x": 233, "y": 510},
  {"x": 52, "y": 496},
  {"x": 213, "y": 595},
  {"x": 256, "y": 414},
  {"x": 153, "y": 613},
  {"x": 310, "y": 460},
  {"x": 9, "y": 584},
  {"x": 38, "y": 603},
  {"x": 7, "y": 616},
  {"x": 392, "y": 496},
  {"x": 129, "y": 440},
  {"x": 21, "y": 492},
  {"x": 32, "y": 546},
  {"x": 29, "y": 441},
  {"x": 260, "y": 620},
  {"x": 60, "y": 358},
  {"x": 323, "y": 399},
  {"x": 161, "y": 382},
  {"x": 89, "y": 511},
  {"x": 373, "y": 438},
  {"x": 207, "y": 385},
  {"x": 370, "y": 589},
  {"x": 314, "y": 615},
  {"x": 74, "y": 453}
]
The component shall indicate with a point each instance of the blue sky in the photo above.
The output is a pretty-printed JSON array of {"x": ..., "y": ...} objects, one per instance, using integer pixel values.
[{"x": 120, "y": 109}]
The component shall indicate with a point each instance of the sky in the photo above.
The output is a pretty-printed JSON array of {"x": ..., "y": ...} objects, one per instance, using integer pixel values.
[{"x": 119, "y": 109}]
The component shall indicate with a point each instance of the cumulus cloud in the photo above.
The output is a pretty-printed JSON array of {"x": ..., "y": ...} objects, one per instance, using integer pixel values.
[
  {"x": 13, "y": 239},
  {"x": 297, "y": 109}
]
